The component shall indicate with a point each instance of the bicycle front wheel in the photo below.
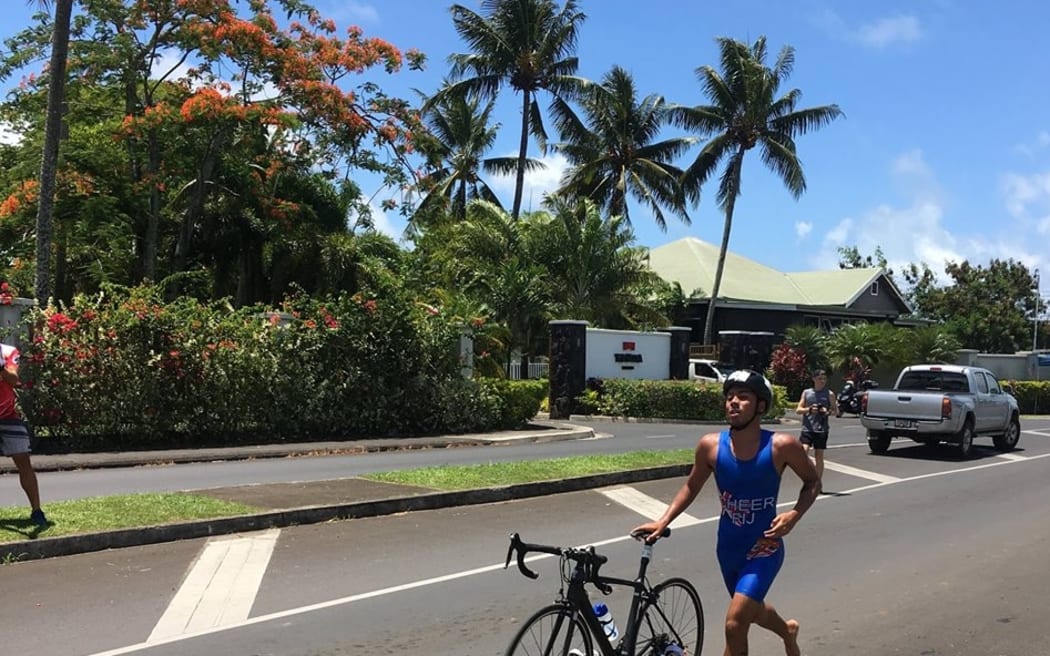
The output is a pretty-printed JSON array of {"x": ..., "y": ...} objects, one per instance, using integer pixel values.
[
  {"x": 673, "y": 616},
  {"x": 554, "y": 630}
]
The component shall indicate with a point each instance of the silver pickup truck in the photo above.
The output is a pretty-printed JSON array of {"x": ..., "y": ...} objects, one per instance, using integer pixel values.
[{"x": 934, "y": 403}]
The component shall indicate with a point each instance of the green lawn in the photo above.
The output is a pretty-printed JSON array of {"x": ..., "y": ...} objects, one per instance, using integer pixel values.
[
  {"x": 116, "y": 512},
  {"x": 132, "y": 510},
  {"x": 466, "y": 477}
]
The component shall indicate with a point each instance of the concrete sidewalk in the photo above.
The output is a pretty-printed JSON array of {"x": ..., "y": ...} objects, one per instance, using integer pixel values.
[{"x": 289, "y": 504}]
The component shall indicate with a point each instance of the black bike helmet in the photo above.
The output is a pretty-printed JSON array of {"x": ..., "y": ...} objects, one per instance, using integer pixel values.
[{"x": 753, "y": 381}]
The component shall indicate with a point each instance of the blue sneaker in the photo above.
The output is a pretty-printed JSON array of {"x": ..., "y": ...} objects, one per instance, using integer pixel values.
[{"x": 38, "y": 517}]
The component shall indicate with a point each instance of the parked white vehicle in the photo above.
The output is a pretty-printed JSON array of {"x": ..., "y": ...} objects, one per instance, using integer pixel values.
[{"x": 707, "y": 371}]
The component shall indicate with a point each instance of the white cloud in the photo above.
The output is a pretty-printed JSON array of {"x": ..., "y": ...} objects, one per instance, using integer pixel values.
[
  {"x": 392, "y": 226},
  {"x": 916, "y": 230},
  {"x": 888, "y": 31},
  {"x": 537, "y": 183},
  {"x": 803, "y": 228},
  {"x": 878, "y": 34},
  {"x": 8, "y": 135},
  {"x": 912, "y": 233},
  {"x": 1041, "y": 141},
  {"x": 1025, "y": 194}
]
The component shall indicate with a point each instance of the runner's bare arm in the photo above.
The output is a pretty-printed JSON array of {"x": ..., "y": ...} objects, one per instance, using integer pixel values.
[
  {"x": 698, "y": 475},
  {"x": 789, "y": 452}
]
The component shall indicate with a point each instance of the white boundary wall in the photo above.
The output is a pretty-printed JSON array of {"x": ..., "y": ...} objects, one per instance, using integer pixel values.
[{"x": 628, "y": 354}]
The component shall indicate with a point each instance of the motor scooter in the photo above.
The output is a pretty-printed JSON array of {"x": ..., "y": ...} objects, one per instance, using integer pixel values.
[{"x": 849, "y": 398}]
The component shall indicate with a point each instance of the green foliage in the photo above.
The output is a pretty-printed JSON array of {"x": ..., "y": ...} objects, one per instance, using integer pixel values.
[
  {"x": 124, "y": 367},
  {"x": 519, "y": 400},
  {"x": 616, "y": 152},
  {"x": 528, "y": 45},
  {"x": 789, "y": 366},
  {"x": 986, "y": 308},
  {"x": 870, "y": 342},
  {"x": 1033, "y": 396},
  {"x": 619, "y": 397},
  {"x": 746, "y": 112}
]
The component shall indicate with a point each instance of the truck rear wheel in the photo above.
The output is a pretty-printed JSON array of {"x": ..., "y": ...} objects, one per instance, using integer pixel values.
[
  {"x": 878, "y": 442},
  {"x": 965, "y": 439},
  {"x": 1008, "y": 440}
]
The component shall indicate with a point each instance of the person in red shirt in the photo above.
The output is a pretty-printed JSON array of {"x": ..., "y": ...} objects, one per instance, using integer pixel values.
[{"x": 14, "y": 434}]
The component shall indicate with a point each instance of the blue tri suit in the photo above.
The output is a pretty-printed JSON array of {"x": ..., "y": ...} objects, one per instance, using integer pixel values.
[{"x": 748, "y": 492}]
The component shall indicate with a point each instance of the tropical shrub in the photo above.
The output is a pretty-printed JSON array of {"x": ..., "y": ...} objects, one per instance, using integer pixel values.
[
  {"x": 789, "y": 366},
  {"x": 1033, "y": 396},
  {"x": 519, "y": 400},
  {"x": 124, "y": 367},
  {"x": 671, "y": 399}
]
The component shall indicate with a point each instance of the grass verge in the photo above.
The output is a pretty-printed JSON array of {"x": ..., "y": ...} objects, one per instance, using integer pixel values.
[
  {"x": 116, "y": 512},
  {"x": 466, "y": 477},
  {"x": 153, "y": 509}
]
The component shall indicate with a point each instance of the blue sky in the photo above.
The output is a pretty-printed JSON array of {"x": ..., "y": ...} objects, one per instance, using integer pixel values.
[{"x": 943, "y": 154}]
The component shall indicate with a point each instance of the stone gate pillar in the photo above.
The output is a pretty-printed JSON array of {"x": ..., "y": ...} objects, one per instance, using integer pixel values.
[
  {"x": 679, "y": 364},
  {"x": 568, "y": 362}
]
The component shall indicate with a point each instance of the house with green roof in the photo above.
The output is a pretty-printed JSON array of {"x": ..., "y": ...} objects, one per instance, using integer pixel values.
[{"x": 755, "y": 297}]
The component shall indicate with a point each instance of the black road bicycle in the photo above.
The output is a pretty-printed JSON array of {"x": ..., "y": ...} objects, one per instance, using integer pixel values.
[{"x": 666, "y": 619}]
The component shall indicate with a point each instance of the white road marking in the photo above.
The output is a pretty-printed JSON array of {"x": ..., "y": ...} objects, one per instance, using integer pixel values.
[
  {"x": 342, "y": 601},
  {"x": 658, "y": 437},
  {"x": 1011, "y": 456},
  {"x": 220, "y": 587},
  {"x": 645, "y": 505},
  {"x": 860, "y": 473},
  {"x": 1040, "y": 433}
]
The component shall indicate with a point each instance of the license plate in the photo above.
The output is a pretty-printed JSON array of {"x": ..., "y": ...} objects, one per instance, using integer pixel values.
[{"x": 903, "y": 423}]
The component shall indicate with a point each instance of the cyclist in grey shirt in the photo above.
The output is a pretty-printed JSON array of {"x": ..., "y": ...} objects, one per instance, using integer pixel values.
[{"x": 816, "y": 405}]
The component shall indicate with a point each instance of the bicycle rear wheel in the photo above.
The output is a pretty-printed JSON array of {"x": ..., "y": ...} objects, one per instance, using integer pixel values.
[
  {"x": 673, "y": 616},
  {"x": 554, "y": 630}
]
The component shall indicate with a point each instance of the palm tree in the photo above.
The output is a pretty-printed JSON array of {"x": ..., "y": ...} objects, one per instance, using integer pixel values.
[
  {"x": 462, "y": 135},
  {"x": 595, "y": 271},
  {"x": 52, "y": 135},
  {"x": 745, "y": 112},
  {"x": 491, "y": 257},
  {"x": 614, "y": 150},
  {"x": 527, "y": 44}
]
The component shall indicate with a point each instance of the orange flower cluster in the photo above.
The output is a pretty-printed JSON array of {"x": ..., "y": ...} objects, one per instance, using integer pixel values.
[{"x": 26, "y": 194}]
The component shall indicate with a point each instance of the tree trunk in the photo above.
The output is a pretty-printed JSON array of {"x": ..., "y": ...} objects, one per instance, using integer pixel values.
[
  {"x": 709, "y": 323},
  {"x": 52, "y": 136},
  {"x": 195, "y": 208},
  {"x": 523, "y": 152},
  {"x": 149, "y": 251}
]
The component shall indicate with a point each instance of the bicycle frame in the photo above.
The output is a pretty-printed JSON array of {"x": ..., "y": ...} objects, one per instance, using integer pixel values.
[
  {"x": 586, "y": 564},
  {"x": 578, "y": 599}
]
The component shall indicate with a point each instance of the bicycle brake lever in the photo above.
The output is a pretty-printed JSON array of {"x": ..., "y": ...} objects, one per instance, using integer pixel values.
[
  {"x": 525, "y": 570},
  {"x": 514, "y": 541},
  {"x": 517, "y": 545}
]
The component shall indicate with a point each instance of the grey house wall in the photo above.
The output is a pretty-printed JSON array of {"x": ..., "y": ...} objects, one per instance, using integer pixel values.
[{"x": 883, "y": 303}]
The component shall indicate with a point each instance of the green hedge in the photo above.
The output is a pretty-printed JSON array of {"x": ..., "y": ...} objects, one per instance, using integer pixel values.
[
  {"x": 1033, "y": 396},
  {"x": 125, "y": 368},
  {"x": 669, "y": 399}
]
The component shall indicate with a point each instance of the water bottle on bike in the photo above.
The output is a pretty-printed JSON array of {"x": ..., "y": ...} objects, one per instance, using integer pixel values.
[{"x": 608, "y": 624}]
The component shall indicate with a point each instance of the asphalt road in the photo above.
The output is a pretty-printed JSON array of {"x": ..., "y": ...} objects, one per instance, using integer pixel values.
[
  {"x": 913, "y": 553},
  {"x": 612, "y": 437}
]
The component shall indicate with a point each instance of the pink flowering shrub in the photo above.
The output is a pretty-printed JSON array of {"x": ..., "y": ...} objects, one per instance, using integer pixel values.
[{"x": 126, "y": 368}]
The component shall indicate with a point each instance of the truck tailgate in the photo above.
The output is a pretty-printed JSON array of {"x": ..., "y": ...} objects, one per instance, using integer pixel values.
[{"x": 916, "y": 406}]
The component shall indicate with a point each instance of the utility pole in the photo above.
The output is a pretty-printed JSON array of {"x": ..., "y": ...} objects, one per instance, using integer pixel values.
[{"x": 1035, "y": 322}]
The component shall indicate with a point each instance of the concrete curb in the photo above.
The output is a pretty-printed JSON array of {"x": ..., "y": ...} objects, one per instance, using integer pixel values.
[{"x": 133, "y": 537}]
